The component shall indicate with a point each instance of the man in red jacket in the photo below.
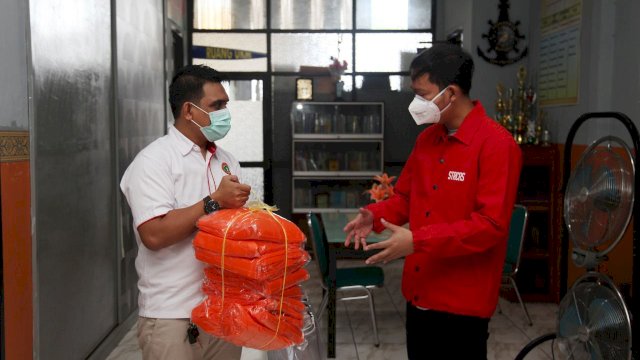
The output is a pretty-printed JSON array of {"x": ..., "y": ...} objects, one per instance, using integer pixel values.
[{"x": 456, "y": 191}]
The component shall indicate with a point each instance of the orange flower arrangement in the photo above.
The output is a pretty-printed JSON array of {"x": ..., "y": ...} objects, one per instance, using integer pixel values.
[{"x": 384, "y": 189}]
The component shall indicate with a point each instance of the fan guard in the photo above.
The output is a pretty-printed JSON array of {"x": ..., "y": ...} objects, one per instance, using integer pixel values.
[
  {"x": 593, "y": 321},
  {"x": 599, "y": 200}
]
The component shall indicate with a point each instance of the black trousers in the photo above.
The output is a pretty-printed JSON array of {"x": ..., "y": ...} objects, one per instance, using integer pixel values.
[{"x": 438, "y": 335}]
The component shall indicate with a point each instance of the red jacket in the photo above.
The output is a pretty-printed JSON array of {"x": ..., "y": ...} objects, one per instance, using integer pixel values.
[{"x": 457, "y": 193}]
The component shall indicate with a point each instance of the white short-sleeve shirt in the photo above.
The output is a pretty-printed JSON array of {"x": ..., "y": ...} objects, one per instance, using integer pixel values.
[{"x": 171, "y": 173}]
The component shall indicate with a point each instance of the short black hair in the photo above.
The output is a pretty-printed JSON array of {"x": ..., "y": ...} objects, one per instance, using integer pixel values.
[
  {"x": 446, "y": 64},
  {"x": 187, "y": 84}
]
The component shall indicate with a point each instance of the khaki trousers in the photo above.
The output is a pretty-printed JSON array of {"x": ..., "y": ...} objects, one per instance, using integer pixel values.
[{"x": 166, "y": 339}]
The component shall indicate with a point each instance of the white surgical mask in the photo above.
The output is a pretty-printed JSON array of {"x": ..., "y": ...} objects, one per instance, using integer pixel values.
[{"x": 426, "y": 111}]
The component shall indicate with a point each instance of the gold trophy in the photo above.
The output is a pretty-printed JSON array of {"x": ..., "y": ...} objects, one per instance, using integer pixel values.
[
  {"x": 521, "y": 75},
  {"x": 522, "y": 116},
  {"x": 500, "y": 106},
  {"x": 508, "y": 118}
]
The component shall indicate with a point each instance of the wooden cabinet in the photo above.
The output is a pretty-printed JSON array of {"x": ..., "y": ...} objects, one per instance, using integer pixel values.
[{"x": 539, "y": 190}]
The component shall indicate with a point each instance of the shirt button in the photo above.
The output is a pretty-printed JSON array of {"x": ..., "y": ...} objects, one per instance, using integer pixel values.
[
  {"x": 417, "y": 268},
  {"x": 441, "y": 160},
  {"x": 427, "y": 213},
  {"x": 435, "y": 187},
  {"x": 415, "y": 298}
]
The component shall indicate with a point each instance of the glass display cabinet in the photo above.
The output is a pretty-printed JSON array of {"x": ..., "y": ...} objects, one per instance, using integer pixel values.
[{"x": 337, "y": 148}]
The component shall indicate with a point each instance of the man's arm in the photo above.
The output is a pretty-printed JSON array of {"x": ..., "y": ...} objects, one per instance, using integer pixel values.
[
  {"x": 178, "y": 224},
  {"x": 498, "y": 177}
]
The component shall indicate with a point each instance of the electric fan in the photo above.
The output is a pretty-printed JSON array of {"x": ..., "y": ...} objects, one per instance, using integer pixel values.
[
  {"x": 599, "y": 200},
  {"x": 593, "y": 320}
]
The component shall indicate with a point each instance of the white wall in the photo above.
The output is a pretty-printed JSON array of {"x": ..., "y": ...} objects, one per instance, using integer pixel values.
[
  {"x": 453, "y": 15},
  {"x": 609, "y": 59},
  {"x": 626, "y": 68},
  {"x": 604, "y": 59}
]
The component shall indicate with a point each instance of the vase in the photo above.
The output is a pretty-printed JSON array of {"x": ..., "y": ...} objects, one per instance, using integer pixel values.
[{"x": 339, "y": 90}]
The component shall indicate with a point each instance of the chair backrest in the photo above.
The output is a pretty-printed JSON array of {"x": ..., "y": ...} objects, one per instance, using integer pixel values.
[
  {"x": 517, "y": 229},
  {"x": 319, "y": 245}
]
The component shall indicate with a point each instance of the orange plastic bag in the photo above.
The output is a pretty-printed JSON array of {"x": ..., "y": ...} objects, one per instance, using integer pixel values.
[
  {"x": 291, "y": 306},
  {"x": 235, "y": 323},
  {"x": 238, "y": 248},
  {"x": 257, "y": 302},
  {"x": 266, "y": 288},
  {"x": 266, "y": 267},
  {"x": 246, "y": 294},
  {"x": 247, "y": 224}
]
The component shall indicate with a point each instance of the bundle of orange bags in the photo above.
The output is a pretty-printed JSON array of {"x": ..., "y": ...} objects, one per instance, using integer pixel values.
[{"x": 252, "y": 284}]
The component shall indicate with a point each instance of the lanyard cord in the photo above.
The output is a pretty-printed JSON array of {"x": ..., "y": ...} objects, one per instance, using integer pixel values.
[{"x": 209, "y": 172}]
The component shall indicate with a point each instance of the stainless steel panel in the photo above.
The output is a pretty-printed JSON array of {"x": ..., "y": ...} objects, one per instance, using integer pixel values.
[
  {"x": 140, "y": 114},
  {"x": 73, "y": 176},
  {"x": 13, "y": 72}
]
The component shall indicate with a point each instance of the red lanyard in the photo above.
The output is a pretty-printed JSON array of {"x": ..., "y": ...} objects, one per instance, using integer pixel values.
[{"x": 208, "y": 171}]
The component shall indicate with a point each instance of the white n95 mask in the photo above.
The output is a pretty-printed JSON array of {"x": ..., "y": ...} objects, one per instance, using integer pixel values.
[{"x": 426, "y": 111}]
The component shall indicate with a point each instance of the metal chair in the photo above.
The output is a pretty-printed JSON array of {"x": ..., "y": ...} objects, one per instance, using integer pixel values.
[
  {"x": 362, "y": 279},
  {"x": 514, "y": 252}
]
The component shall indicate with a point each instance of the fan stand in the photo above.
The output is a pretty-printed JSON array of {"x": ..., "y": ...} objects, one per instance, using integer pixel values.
[
  {"x": 635, "y": 138},
  {"x": 586, "y": 259},
  {"x": 589, "y": 258}
]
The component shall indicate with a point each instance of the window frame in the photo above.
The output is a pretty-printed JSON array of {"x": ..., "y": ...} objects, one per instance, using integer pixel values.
[{"x": 269, "y": 74}]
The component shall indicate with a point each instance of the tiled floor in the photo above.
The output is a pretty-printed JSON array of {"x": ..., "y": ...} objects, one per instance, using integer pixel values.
[{"x": 509, "y": 330}]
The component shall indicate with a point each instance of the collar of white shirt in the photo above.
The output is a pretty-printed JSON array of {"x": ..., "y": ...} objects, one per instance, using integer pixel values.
[{"x": 184, "y": 144}]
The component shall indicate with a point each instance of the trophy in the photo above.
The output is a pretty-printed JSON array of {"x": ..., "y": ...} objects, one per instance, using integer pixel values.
[
  {"x": 500, "y": 106},
  {"x": 531, "y": 136},
  {"x": 508, "y": 118},
  {"x": 521, "y": 75}
]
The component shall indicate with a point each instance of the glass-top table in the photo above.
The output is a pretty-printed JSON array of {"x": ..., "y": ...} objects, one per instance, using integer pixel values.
[{"x": 335, "y": 222}]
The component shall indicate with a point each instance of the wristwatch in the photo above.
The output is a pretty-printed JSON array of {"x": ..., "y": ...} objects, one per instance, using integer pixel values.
[{"x": 210, "y": 205}]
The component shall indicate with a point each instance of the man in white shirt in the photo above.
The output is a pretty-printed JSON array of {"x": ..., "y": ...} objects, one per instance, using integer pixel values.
[{"x": 171, "y": 183}]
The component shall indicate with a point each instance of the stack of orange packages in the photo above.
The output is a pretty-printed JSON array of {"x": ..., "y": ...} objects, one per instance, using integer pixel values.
[{"x": 255, "y": 265}]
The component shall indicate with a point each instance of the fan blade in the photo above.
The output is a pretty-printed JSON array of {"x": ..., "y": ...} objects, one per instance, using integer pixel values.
[
  {"x": 608, "y": 326},
  {"x": 605, "y": 191},
  {"x": 593, "y": 349},
  {"x": 578, "y": 350}
]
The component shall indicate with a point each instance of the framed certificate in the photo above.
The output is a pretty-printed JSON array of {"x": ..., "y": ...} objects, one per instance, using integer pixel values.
[{"x": 304, "y": 89}]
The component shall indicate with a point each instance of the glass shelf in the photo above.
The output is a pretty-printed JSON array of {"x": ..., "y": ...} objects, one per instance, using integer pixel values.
[
  {"x": 330, "y": 194},
  {"x": 337, "y": 149},
  {"x": 337, "y": 118},
  {"x": 330, "y": 158}
]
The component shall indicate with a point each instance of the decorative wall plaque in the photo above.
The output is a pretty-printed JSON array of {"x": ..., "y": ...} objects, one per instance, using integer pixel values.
[{"x": 503, "y": 38}]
